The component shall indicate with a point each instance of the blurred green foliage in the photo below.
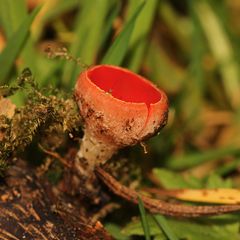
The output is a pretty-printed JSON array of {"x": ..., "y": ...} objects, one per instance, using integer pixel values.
[{"x": 188, "y": 48}]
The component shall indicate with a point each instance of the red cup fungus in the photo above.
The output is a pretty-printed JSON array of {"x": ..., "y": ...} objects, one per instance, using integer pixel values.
[{"x": 119, "y": 108}]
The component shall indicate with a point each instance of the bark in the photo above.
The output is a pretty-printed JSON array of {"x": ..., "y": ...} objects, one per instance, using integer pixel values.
[{"x": 29, "y": 209}]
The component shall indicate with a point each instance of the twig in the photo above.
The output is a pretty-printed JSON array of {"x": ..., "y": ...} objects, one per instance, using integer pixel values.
[
  {"x": 162, "y": 207},
  {"x": 104, "y": 211},
  {"x": 55, "y": 155}
]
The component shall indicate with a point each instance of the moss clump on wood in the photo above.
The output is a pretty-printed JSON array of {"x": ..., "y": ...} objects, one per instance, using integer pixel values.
[{"x": 47, "y": 113}]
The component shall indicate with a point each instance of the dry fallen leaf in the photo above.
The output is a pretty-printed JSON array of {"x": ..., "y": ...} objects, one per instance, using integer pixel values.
[
  {"x": 7, "y": 108},
  {"x": 218, "y": 195}
]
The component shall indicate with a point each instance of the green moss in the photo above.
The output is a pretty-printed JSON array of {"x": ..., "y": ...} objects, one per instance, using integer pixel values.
[{"x": 46, "y": 113}]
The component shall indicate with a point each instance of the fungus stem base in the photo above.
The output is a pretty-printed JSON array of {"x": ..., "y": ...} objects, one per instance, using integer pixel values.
[{"x": 92, "y": 153}]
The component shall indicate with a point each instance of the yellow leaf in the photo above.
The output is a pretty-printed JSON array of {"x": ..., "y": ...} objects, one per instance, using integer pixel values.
[{"x": 218, "y": 195}]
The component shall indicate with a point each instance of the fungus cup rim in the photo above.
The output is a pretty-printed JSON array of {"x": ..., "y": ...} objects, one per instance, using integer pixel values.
[{"x": 131, "y": 74}]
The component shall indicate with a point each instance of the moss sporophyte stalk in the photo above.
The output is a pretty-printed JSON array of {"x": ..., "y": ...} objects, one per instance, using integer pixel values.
[{"x": 119, "y": 108}]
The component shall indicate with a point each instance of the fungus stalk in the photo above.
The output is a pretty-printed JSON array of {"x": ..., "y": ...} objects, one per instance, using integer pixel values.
[
  {"x": 119, "y": 109},
  {"x": 96, "y": 152}
]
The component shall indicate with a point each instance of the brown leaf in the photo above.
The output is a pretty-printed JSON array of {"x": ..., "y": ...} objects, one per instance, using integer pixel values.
[{"x": 7, "y": 108}]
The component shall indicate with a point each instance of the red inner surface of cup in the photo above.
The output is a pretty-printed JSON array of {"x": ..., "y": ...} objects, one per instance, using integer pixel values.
[{"x": 124, "y": 85}]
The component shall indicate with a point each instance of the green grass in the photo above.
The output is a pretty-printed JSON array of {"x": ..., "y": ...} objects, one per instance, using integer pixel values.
[
  {"x": 14, "y": 45},
  {"x": 118, "y": 49},
  {"x": 163, "y": 223},
  {"x": 144, "y": 221}
]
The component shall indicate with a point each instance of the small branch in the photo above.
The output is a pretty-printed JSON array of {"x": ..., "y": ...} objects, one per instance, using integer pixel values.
[
  {"x": 55, "y": 155},
  {"x": 104, "y": 211},
  {"x": 162, "y": 207}
]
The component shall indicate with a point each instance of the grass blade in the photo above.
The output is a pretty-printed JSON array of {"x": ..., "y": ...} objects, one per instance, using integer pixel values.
[
  {"x": 109, "y": 22},
  {"x": 194, "y": 159},
  {"x": 228, "y": 167},
  {"x": 14, "y": 46},
  {"x": 11, "y": 14},
  {"x": 222, "y": 50},
  {"x": 138, "y": 41},
  {"x": 178, "y": 27},
  {"x": 160, "y": 66},
  {"x": 87, "y": 36},
  {"x": 117, "y": 51},
  {"x": 115, "y": 231},
  {"x": 61, "y": 7},
  {"x": 163, "y": 224},
  {"x": 171, "y": 180},
  {"x": 144, "y": 221}
]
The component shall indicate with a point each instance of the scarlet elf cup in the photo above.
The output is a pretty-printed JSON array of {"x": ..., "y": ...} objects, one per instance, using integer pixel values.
[{"x": 119, "y": 108}]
